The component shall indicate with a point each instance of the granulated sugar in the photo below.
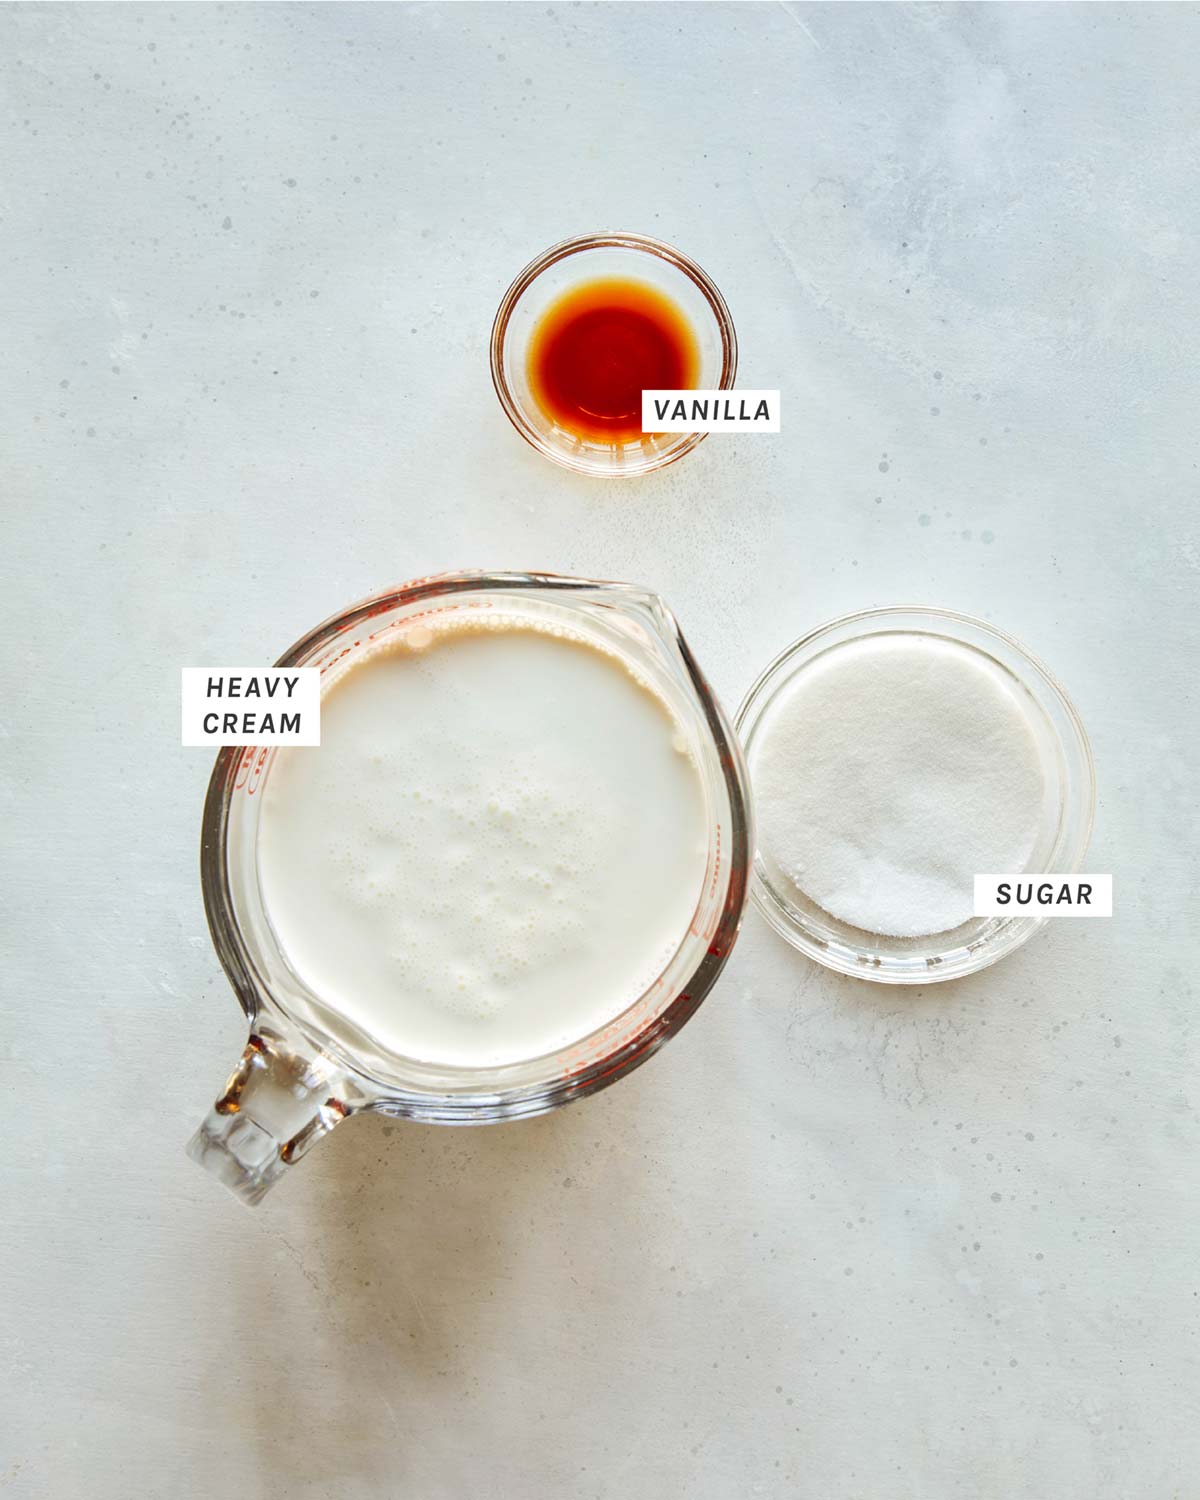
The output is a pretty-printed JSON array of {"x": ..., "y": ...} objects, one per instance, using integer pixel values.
[{"x": 889, "y": 773}]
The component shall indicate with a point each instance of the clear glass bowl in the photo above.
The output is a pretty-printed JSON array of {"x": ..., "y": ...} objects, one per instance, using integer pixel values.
[
  {"x": 304, "y": 1070},
  {"x": 1067, "y": 808},
  {"x": 589, "y": 258}
]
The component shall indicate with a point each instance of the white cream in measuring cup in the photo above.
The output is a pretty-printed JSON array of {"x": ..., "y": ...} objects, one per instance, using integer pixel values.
[{"x": 497, "y": 847}]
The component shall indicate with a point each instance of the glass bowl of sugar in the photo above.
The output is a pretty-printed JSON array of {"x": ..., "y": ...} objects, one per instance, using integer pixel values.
[{"x": 894, "y": 754}]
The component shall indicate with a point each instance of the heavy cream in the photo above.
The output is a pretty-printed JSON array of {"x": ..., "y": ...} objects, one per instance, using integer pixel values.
[{"x": 498, "y": 846}]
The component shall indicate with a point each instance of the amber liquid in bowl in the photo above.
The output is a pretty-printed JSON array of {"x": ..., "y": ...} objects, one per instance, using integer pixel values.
[{"x": 597, "y": 348}]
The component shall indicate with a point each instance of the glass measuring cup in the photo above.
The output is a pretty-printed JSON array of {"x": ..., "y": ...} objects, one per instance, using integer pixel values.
[{"x": 304, "y": 1070}]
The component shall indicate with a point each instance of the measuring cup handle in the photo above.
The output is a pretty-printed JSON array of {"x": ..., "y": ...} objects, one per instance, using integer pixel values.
[{"x": 277, "y": 1104}]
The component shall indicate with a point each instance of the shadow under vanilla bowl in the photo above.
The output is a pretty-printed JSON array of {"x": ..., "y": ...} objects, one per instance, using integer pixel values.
[{"x": 589, "y": 325}]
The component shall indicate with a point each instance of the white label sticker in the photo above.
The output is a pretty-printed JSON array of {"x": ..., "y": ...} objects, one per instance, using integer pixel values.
[
  {"x": 1043, "y": 895},
  {"x": 710, "y": 411},
  {"x": 251, "y": 706}
]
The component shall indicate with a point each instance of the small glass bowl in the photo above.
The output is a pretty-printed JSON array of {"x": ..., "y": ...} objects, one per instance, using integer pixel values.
[
  {"x": 1067, "y": 808},
  {"x": 589, "y": 258}
]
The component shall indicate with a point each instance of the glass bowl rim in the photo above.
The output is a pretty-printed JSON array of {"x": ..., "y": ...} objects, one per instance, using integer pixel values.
[
  {"x": 618, "y": 240},
  {"x": 1008, "y": 933}
]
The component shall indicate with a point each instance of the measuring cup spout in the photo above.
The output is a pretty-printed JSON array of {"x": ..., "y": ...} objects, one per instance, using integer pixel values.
[{"x": 277, "y": 1104}]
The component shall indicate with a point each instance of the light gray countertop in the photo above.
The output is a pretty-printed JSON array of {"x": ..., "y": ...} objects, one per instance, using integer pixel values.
[{"x": 838, "y": 1241}]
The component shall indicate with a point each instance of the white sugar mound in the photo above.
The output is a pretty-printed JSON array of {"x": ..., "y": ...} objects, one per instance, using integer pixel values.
[{"x": 889, "y": 773}]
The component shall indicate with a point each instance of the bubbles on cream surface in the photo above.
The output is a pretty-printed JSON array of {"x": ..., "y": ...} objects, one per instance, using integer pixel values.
[{"x": 498, "y": 845}]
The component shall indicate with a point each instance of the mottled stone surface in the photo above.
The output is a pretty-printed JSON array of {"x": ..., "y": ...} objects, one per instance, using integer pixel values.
[{"x": 837, "y": 1242}]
